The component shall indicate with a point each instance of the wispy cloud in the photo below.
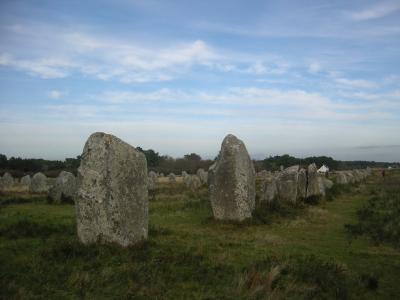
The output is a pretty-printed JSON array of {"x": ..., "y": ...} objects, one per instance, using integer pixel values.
[
  {"x": 314, "y": 68},
  {"x": 377, "y": 11},
  {"x": 55, "y": 94},
  {"x": 55, "y": 53},
  {"x": 44, "y": 67},
  {"x": 247, "y": 103},
  {"x": 376, "y": 146},
  {"x": 106, "y": 58},
  {"x": 356, "y": 83}
]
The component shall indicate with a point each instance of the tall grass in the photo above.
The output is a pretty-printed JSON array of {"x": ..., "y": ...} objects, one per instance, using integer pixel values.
[{"x": 379, "y": 218}]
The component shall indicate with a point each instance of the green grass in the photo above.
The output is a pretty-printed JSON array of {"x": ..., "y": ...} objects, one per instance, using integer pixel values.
[
  {"x": 379, "y": 217},
  {"x": 303, "y": 252}
]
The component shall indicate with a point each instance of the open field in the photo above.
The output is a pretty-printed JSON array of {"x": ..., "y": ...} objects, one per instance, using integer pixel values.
[{"x": 306, "y": 254}]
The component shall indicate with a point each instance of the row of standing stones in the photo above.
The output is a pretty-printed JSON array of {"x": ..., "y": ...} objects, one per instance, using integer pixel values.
[
  {"x": 110, "y": 191},
  {"x": 62, "y": 190}
]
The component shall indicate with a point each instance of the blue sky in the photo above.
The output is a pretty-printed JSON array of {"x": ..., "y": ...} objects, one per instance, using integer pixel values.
[{"x": 298, "y": 77}]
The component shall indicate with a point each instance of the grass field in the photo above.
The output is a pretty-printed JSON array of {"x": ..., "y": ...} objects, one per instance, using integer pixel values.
[{"x": 307, "y": 254}]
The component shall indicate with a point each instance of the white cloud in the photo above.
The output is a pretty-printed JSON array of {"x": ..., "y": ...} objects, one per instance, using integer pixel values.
[
  {"x": 57, "y": 53},
  {"x": 314, "y": 68},
  {"x": 257, "y": 68},
  {"x": 269, "y": 120},
  {"x": 356, "y": 83},
  {"x": 45, "y": 68},
  {"x": 249, "y": 103},
  {"x": 55, "y": 94},
  {"x": 374, "y": 12}
]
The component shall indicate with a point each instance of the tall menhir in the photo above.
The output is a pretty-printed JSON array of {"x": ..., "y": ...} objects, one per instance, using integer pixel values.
[
  {"x": 232, "y": 182},
  {"x": 111, "y": 202}
]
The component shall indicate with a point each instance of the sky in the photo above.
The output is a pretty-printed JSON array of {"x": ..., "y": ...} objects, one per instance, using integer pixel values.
[{"x": 297, "y": 77}]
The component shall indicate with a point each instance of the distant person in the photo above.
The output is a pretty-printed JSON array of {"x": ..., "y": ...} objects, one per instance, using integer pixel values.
[{"x": 383, "y": 173}]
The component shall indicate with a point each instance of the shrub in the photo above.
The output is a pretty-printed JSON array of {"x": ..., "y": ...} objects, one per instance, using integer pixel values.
[
  {"x": 299, "y": 277},
  {"x": 379, "y": 218}
]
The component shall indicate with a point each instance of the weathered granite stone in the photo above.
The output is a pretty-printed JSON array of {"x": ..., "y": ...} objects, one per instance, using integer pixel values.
[
  {"x": 26, "y": 180},
  {"x": 302, "y": 184},
  {"x": 368, "y": 170},
  {"x": 232, "y": 182},
  {"x": 263, "y": 174},
  {"x": 202, "y": 176},
  {"x": 186, "y": 180},
  {"x": 153, "y": 175},
  {"x": 341, "y": 178},
  {"x": 64, "y": 188},
  {"x": 357, "y": 177},
  {"x": 321, "y": 185},
  {"x": 172, "y": 177},
  {"x": 192, "y": 182},
  {"x": 111, "y": 202},
  {"x": 151, "y": 183},
  {"x": 312, "y": 181},
  {"x": 152, "y": 180},
  {"x": 269, "y": 189},
  {"x": 7, "y": 181},
  {"x": 210, "y": 176},
  {"x": 328, "y": 184},
  {"x": 287, "y": 184},
  {"x": 350, "y": 177},
  {"x": 39, "y": 183}
]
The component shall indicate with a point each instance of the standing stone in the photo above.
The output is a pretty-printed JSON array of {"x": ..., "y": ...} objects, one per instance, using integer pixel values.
[
  {"x": 152, "y": 181},
  {"x": 202, "y": 176},
  {"x": 321, "y": 186},
  {"x": 350, "y": 177},
  {"x": 112, "y": 200},
  {"x": 64, "y": 188},
  {"x": 210, "y": 176},
  {"x": 192, "y": 182},
  {"x": 153, "y": 175},
  {"x": 172, "y": 177},
  {"x": 263, "y": 174},
  {"x": 302, "y": 184},
  {"x": 324, "y": 184},
  {"x": 7, "y": 181},
  {"x": 368, "y": 171},
  {"x": 312, "y": 181},
  {"x": 287, "y": 183},
  {"x": 269, "y": 189},
  {"x": 358, "y": 175},
  {"x": 39, "y": 183},
  {"x": 186, "y": 180},
  {"x": 232, "y": 190},
  {"x": 341, "y": 178},
  {"x": 328, "y": 184},
  {"x": 26, "y": 180}
]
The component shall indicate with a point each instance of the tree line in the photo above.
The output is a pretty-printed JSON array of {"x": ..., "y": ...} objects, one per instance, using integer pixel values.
[
  {"x": 274, "y": 162},
  {"x": 190, "y": 163}
]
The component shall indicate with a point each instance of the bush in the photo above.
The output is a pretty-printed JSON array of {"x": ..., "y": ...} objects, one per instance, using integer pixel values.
[
  {"x": 299, "y": 277},
  {"x": 379, "y": 218}
]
